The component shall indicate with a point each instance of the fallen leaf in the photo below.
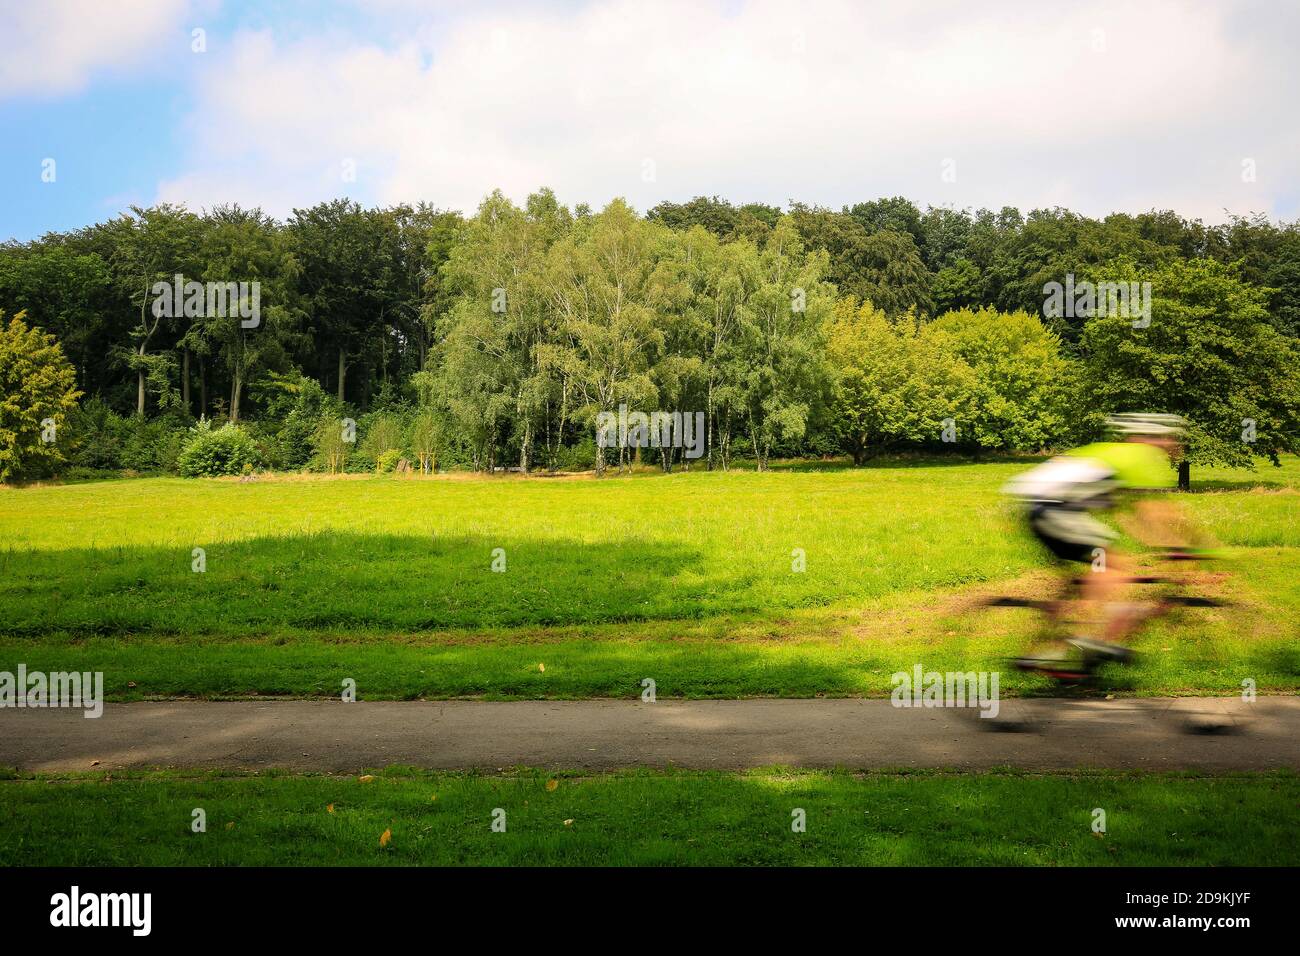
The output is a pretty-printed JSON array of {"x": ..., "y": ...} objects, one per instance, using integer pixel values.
[
  {"x": 552, "y": 784},
  {"x": 330, "y": 808},
  {"x": 130, "y": 683},
  {"x": 94, "y": 763},
  {"x": 385, "y": 837},
  {"x": 568, "y": 823},
  {"x": 366, "y": 778},
  {"x": 230, "y": 825},
  {"x": 541, "y": 667},
  {"x": 434, "y": 797}
]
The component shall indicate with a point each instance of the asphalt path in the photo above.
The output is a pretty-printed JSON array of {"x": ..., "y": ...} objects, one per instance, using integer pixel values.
[{"x": 1208, "y": 734}]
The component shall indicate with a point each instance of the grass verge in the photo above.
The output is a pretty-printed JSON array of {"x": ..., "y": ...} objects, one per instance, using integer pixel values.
[{"x": 651, "y": 818}]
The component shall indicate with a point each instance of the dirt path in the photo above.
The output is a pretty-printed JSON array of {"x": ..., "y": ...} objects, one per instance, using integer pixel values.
[{"x": 598, "y": 735}]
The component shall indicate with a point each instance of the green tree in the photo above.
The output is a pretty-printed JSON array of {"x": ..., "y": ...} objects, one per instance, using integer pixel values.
[
  {"x": 151, "y": 246},
  {"x": 1024, "y": 388},
  {"x": 330, "y": 444},
  {"x": 351, "y": 283},
  {"x": 957, "y": 286},
  {"x": 897, "y": 214},
  {"x": 64, "y": 291},
  {"x": 426, "y": 438},
  {"x": 494, "y": 353},
  {"x": 606, "y": 282},
  {"x": 716, "y": 215},
  {"x": 891, "y": 385},
  {"x": 884, "y": 265},
  {"x": 37, "y": 391},
  {"x": 383, "y": 433},
  {"x": 718, "y": 280},
  {"x": 783, "y": 376},
  {"x": 1210, "y": 354},
  {"x": 242, "y": 246}
]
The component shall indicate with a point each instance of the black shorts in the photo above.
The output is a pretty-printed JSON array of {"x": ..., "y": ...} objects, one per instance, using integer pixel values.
[{"x": 1068, "y": 533}]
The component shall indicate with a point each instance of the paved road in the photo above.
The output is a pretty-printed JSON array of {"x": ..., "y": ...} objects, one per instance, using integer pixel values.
[{"x": 600, "y": 735}]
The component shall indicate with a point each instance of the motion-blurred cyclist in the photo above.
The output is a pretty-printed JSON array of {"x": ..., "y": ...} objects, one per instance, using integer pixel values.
[{"x": 1060, "y": 497}]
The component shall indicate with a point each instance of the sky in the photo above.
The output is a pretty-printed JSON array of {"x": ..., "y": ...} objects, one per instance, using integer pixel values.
[{"x": 1100, "y": 105}]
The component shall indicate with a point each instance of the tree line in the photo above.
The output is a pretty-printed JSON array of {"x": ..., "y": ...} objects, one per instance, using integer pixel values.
[{"x": 496, "y": 339}]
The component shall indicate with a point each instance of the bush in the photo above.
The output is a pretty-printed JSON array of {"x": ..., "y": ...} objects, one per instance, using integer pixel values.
[
  {"x": 426, "y": 438},
  {"x": 579, "y": 457},
  {"x": 210, "y": 452},
  {"x": 294, "y": 406},
  {"x": 332, "y": 448},
  {"x": 151, "y": 445},
  {"x": 96, "y": 433},
  {"x": 388, "y": 461},
  {"x": 102, "y": 440},
  {"x": 382, "y": 431}
]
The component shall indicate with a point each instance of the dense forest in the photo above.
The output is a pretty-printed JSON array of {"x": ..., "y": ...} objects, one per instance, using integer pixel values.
[{"x": 494, "y": 340}]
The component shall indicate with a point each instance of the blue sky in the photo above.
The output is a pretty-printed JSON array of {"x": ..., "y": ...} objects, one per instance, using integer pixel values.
[
  {"x": 1100, "y": 106},
  {"x": 118, "y": 134}
]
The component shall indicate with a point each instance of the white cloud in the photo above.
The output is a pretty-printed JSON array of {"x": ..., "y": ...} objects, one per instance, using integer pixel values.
[
  {"x": 52, "y": 47},
  {"x": 826, "y": 102}
]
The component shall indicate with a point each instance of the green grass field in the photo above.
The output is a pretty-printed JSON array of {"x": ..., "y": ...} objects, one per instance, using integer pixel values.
[
  {"x": 685, "y": 578},
  {"x": 652, "y": 818}
]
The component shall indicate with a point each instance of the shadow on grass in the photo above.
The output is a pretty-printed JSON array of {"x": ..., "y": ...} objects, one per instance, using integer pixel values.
[
  {"x": 918, "y": 460},
  {"x": 1241, "y": 484}
]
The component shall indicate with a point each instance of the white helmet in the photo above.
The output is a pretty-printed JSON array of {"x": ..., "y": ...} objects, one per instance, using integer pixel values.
[{"x": 1147, "y": 424}]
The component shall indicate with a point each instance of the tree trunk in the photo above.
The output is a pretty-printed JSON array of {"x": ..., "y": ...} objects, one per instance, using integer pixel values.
[
  {"x": 1184, "y": 475},
  {"x": 139, "y": 393},
  {"x": 203, "y": 387},
  {"x": 708, "y": 428},
  {"x": 185, "y": 381},
  {"x": 343, "y": 371},
  {"x": 237, "y": 387}
]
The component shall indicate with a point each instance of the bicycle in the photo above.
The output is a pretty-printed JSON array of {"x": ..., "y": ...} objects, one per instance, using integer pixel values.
[{"x": 1081, "y": 667}]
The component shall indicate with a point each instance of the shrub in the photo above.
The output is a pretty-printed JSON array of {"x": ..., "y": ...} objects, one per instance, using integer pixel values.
[
  {"x": 579, "y": 457},
  {"x": 96, "y": 433},
  {"x": 152, "y": 445},
  {"x": 102, "y": 440},
  {"x": 332, "y": 448},
  {"x": 426, "y": 439},
  {"x": 383, "y": 431},
  {"x": 388, "y": 461},
  {"x": 210, "y": 452},
  {"x": 294, "y": 407}
]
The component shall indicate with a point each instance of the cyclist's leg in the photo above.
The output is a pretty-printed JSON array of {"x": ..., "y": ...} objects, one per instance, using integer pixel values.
[
  {"x": 1070, "y": 543},
  {"x": 1104, "y": 592}
]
